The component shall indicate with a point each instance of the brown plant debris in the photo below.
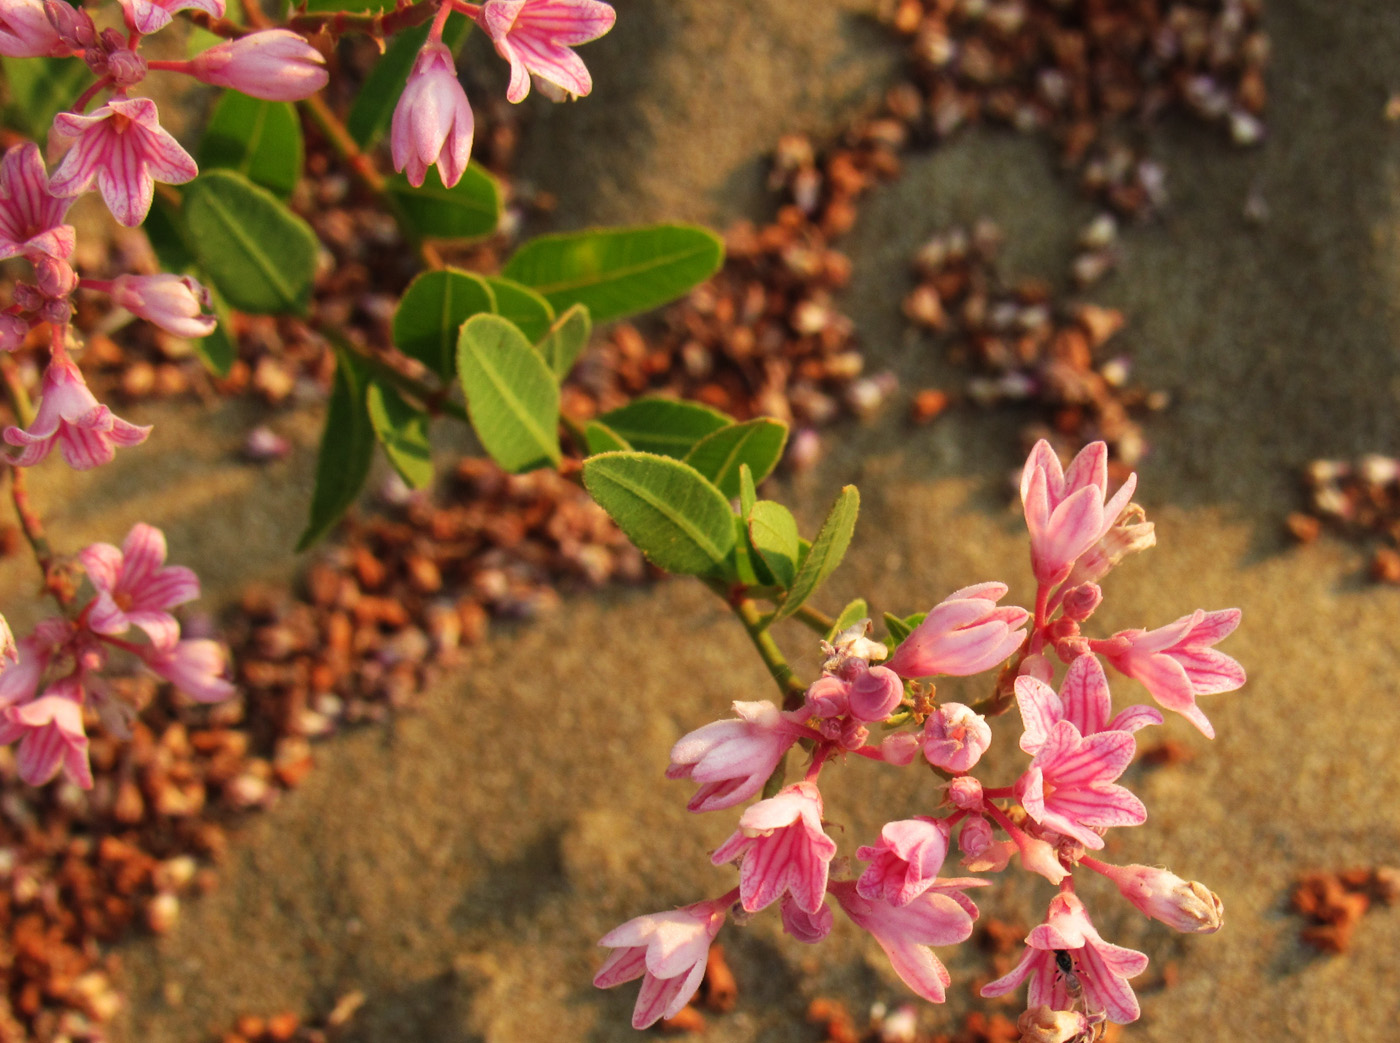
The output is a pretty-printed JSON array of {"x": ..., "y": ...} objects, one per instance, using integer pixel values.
[
  {"x": 1358, "y": 500},
  {"x": 1334, "y": 901}
]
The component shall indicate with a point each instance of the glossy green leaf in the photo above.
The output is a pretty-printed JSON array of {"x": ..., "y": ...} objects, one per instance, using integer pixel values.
[
  {"x": 430, "y": 314},
  {"x": 403, "y": 432},
  {"x": 664, "y": 425},
  {"x": 602, "y": 439},
  {"x": 617, "y": 271},
  {"x": 826, "y": 553},
  {"x": 678, "y": 520},
  {"x": 755, "y": 443},
  {"x": 259, "y": 139},
  {"x": 512, "y": 398},
  {"x": 468, "y": 210},
  {"x": 522, "y": 306},
  {"x": 255, "y": 251},
  {"x": 347, "y": 447},
  {"x": 566, "y": 339},
  {"x": 743, "y": 565},
  {"x": 41, "y": 88},
  {"x": 748, "y": 495},
  {"x": 373, "y": 110},
  {"x": 773, "y": 532},
  {"x": 853, "y": 613}
]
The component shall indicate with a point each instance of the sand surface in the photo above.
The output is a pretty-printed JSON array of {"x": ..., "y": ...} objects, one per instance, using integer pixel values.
[{"x": 458, "y": 865}]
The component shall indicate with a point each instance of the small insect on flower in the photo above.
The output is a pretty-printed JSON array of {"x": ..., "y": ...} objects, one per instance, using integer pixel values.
[{"x": 1097, "y": 1019}]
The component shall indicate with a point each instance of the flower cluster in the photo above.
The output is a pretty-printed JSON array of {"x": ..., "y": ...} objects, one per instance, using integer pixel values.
[{"x": 1049, "y": 817}]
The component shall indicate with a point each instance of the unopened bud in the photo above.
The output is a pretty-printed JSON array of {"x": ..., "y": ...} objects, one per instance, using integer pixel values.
[
  {"x": 1044, "y": 1025},
  {"x": 900, "y": 748},
  {"x": 72, "y": 24},
  {"x": 1080, "y": 602},
  {"x": 13, "y": 330},
  {"x": 965, "y": 792},
  {"x": 57, "y": 311},
  {"x": 56, "y": 278},
  {"x": 127, "y": 68},
  {"x": 1183, "y": 905}
]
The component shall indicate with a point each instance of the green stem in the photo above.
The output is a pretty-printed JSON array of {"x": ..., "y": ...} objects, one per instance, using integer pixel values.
[
  {"x": 814, "y": 620},
  {"x": 432, "y": 398},
  {"x": 787, "y": 681}
]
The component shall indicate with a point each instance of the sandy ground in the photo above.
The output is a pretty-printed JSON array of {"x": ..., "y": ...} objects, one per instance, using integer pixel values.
[{"x": 459, "y": 865}]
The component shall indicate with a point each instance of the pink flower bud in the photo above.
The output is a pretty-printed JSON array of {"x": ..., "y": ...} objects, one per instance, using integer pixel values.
[
  {"x": 1183, "y": 905},
  {"x": 127, "y": 68},
  {"x": 900, "y": 748},
  {"x": 26, "y": 30},
  {"x": 874, "y": 693},
  {"x": 1080, "y": 602},
  {"x": 965, "y": 792},
  {"x": 955, "y": 738},
  {"x": 963, "y": 634},
  {"x": 55, "y": 277},
  {"x": 433, "y": 120},
  {"x": 175, "y": 303},
  {"x": 275, "y": 65}
]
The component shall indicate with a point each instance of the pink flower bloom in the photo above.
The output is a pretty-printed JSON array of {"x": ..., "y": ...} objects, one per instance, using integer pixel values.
[
  {"x": 963, "y": 634},
  {"x": 433, "y": 120},
  {"x": 196, "y": 667},
  {"x": 940, "y": 916},
  {"x": 31, "y": 217},
  {"x": 906, "y": 861},
  {"x": 149, "y": 16},
  {"x": 783, "y": 849},
  {"x": 86, "y": 431},
  {"x": 1183, "y": 905},
  {"x": 50, "y": 733},
  {"x": 1084, "y": 701},
  {"x": 275, "y": 64},
  {"x": 135, "y": 587},
  {"x": 668, "y": 951},
  {"x": 1069, "y": 786},
  {"x": 175, "y": 303},
  {"x": 1176, "y": 662},
  {"x": 124, "y": 149},
  {"x": 19, "y": 682},
  {"x": 732, "y": 759},
  {"x": 955, "y": 738},
  {"x": 1065, "y": 510},
  {"x": 1102, "y": 969},
  {"x": 806, "y": 927},
  {"x": 535, "y": 37},
  {"x": 26, "y": 32}
]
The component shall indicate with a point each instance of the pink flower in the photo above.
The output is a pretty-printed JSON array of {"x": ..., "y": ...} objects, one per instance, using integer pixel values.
[
  {"x": 1069, "y": 786},
  {"x": 955, "y": 738},
  {"x": 1176, "y": 662},
  {"x": 86, "y": 431},
  {"x": 433, "y": 120},
  {"x": 732, "y": 759},
  {"x": 668, "y": 951},
  {"x": 963, "y": 634},
  {"x": 149, "y": 16},
  {"x": 31, "y": 217},
  {"x": 1084, "y": 701},
  {"x": 1065, "y": 510},
  {"x": 940, "y": 916},
  {"x": 175, "y": 303},
  {"x": 1101, "y": 969},
  {"x": 135, "y": 587},
  {"x": 860, "y": 691},
  {"x": 906, "y": 861},
  {"x": 50, "y": 733},
  {"x": 275, "y": 64},
  {"x": 783, "y": 849},
  {"x": 196, "y": 667},
  {"x": 19, "y": 681},
  {"x": 1183, "y": 905},
  {"x": 26, "y": 32},
  {"x": 123, "y": 148},
  {"x": 535, "y": 37}
]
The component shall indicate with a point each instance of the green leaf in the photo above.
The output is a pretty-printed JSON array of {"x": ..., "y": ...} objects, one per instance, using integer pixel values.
[
  {"x": 373, "y": 110},
  {"x": 41, "y": 88},
  {"x": 773, "y": 531},
  {"x": 259, "y": 139},
  {"x": 165, "y": 229},
  {"x": 748, "y": 495},
  {"x": 403, "y": 432},
  {"x": 566, "y": 340},
  {"x": 827, "y": 551},
  {"x": 898, "y": 630},
  {"x": 468, "y": 210},
  {"x": 617, "y": 271},
  {"x": 743, "y": 565},
  {"x": 255, "y": 251},
  {"x": 664, "y": 425},
  {"x": 602, "y": 439},
  {"x": 676, "y": 518},
  {"x": 347, "y": 446},
  {"x": 530, "y": 312},
  {"x": 852, "y": 614},
  {"x": 512, "y": 398},
  {"x": 431, "y": 312},
  {"x": 219, "y": 350},
  {"x": 755, "y": 443}
]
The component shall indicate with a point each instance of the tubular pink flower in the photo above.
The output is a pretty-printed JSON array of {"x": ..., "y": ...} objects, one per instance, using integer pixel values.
[
  {"x": 175, "y": 303},
  {"x": 1084, "y": 701},
  {"x": 1183, "y": 905},
  {"x": 937, "y": 917},
  {"x": 535, "y": 37},
  {"x": 135, "y": 587},
  {"x": 149, "y": 16},
  {"x": 732, "y": 759},
  {"x": 196, "y": 667},
  {"x": 274, "y": 64},
  {"x": 31, "y": 217},
  {"x": 50, "y": 733},
  {"x": 1065, "y": 510},
  {"x": 85, "y": 430},
  {"x": 955, "y": 738},
  {"x": 1102, "y": 969},
  {"x": 26, "y": 32},
  {"x": 668, "y": 951},
  {"x": 124, "y": 149},
  {"x": 1069, "y": 786},
  {"x": 783, "y": 848},
  {"x": 906, "y": 861},
  {"x": 963, "y": 634},
  {"x": 1176, "y": 662},
  {"x": 433, "y": 120}
]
